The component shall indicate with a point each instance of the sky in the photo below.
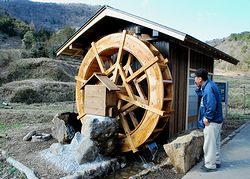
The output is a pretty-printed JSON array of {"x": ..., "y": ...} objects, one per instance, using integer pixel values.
[{"x": 202, "y": 19}]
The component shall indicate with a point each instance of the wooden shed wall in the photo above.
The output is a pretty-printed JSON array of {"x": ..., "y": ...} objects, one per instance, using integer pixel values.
[
  {"x": 178, "y": 58},
  {"x": 179, "y": 65},
  {"x": 198, "y": 60}
]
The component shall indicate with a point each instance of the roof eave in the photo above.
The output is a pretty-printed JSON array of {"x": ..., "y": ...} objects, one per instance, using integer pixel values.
[
  {"x": 80, "y": 31},
  {"x": 211, "y": 50},
  {"x": 115, "y": 13}
]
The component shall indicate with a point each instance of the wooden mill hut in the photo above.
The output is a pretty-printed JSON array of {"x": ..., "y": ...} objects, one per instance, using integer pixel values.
[{"x": 177, "y": 53}]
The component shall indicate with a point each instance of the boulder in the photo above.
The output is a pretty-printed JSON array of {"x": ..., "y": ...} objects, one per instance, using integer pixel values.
[
  {"x": 87, "y": 151},
  {"x": 185, "y": 151},
  {"x": 58, "y": 129},
  {"x": 64, "y": 127},
  {"x": 98, "y": 137},
  {"x": 103, "y": 131},
  {"x": 83, "y": 149}
]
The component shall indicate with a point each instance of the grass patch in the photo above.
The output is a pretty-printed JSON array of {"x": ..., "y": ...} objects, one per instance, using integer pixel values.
[
  {"x": 4, "y": 126},
  {"x": 238, "y": 96}
]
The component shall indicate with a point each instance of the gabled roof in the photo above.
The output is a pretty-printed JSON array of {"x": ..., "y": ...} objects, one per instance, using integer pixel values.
[
  {"x": 108, "y": 20},
  {"x": 103, "y": 79}
]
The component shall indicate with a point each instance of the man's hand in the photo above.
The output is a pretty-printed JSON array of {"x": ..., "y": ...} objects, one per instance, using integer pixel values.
[{"x": 205, "y": 121}]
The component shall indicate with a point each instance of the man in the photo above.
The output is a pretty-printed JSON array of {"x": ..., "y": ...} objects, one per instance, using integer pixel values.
[{"x": 210, "y": 118}]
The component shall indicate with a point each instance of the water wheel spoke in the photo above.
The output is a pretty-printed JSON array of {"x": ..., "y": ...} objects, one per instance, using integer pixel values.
[
  {"x": 119, "y": 104},
  {"x": 98, "y": 58},
  {"x": 138, "y": 86},
  {"x": 140, "y": 90},
  {"x": 140, "y": 103},
  {"x": 133, "y": 119},
  {"x": 127, "y": 66},
  {"x": 142, "y": 69},
  {"x": 110, "y": 70},
  {"x": 127, "y": 108},
  {"x": 126, "y": 85},
  {"x": 119, "y": 57},
  {"x": 127, "y": 132},
  {"x": 143, "y": 77}
]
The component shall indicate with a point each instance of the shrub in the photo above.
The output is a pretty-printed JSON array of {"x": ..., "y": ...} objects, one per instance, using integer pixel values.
[
  {"x": 244, "y": 49},
  {"x": 28, "y": 96}
]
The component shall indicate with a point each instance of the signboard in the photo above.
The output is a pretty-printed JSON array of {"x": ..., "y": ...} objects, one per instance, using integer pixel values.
[{"x": 223, "y": 89}]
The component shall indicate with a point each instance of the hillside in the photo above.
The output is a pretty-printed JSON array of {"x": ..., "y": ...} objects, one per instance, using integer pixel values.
[
  {"x": 50, "y": 16},
  {"x": 38, "y": 80},
  {"x": 26, "y": 75},
  {"x": 236, "y": 45}
]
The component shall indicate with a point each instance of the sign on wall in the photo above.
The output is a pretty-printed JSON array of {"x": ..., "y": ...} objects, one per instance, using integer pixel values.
[{"x": 223, "y": 89}]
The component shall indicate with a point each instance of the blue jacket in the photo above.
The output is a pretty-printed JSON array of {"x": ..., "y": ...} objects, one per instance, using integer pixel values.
[{"x": 210, "y": 105}]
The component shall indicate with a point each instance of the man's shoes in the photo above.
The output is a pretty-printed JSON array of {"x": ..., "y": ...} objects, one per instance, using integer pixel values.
[
  {"x": 218, "y": 166},
  {"x": 204, "y": 169}
]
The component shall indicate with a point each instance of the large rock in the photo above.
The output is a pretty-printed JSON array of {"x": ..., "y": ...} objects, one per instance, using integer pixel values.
[
  {"x": 83, "y": 149},
  {"x": 185, "y": 151},
  {"x": 87, "y": 151},
  {"x": 64, "y": 127},
  {"x": 103, "y": 131},
  {"x": 87, "y": 156},
  {"x": 58, "y": 129},
  {"x": 98, "y": 137}
]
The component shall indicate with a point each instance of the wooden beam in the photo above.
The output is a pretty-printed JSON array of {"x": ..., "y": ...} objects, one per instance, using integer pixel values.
[
  {"x": 137, "y": 86},
  {"x": 99, "y": 60},
  {"x": 75, "y": 47},
  {"x": 140, "y": 103},
  {"x": 167, "y": 81},
  {"x": 142, "y": 69},
  {"x": 119, "y": 56},
  {"x": 119, "y": 104},
  {"x": 143, "y": 77},
  {"x": 128, "y": 87},
  {"x": 125, "y": 107},
  {"x": 133, "y": 119},
  {"x": 128, "y": 64},
  {"x": 71, "y": 53},
  {"x": 168, "y": 99},
  {"x": 128, "y": 110},
  {"x": 80, "y": 79},
  {"x": 127, "y": 132},
  {"x": 110, "y": 70}
]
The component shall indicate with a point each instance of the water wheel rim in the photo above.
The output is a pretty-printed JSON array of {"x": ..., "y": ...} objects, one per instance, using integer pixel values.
[{"x": 142, "y": 53}]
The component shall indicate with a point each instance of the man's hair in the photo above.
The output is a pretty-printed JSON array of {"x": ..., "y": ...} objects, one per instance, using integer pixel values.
[{"x": 202, "y": 73}]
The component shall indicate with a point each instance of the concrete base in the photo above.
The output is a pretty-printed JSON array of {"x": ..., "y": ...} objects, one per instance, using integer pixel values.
[{"x": 65, "y": 162}]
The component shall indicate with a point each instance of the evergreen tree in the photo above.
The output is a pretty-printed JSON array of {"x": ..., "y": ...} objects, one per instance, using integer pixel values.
[{"x": 29, "y": 40}]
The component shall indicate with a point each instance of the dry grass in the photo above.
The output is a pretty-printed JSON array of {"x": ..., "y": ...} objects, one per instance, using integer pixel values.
[{"x": 37, "y": 80}]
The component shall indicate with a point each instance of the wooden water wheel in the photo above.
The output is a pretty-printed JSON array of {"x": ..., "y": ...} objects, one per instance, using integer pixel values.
[{"x": 146, "y": 91}]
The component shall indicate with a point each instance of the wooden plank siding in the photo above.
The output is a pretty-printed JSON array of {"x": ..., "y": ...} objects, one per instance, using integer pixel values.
[
  {"x": 198, "y": 60},
  {"x": 179, "y": 65}
]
